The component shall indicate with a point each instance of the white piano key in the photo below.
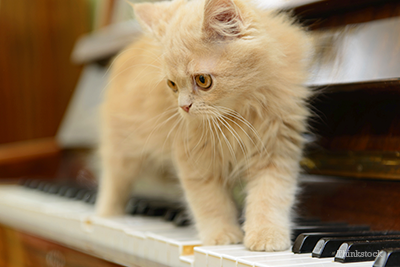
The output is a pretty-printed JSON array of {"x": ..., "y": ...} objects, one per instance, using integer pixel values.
[
  {"x": 293, "y": 262},
  {"x": 206, "y": 253},
  {"x": 200, "y": 257},
  {"x": 230, "y": 258},
  {"x": 132, "y": 238},
  {"x": 181, "y": 248},
  {"x": 162, "y": 241},
  {"x": 186, "y": 261}
]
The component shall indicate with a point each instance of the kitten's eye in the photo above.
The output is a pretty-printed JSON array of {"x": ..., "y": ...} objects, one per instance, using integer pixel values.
[
  {"x": 172, "y": 85},
  {"x": 204, "y": 81}
]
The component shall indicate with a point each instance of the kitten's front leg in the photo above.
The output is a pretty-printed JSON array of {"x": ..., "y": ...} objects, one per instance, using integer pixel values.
[
  {"x": 212, "y": 206},
  {"x": 119, "y": 173},
  {"x": 270, "y": 198}
]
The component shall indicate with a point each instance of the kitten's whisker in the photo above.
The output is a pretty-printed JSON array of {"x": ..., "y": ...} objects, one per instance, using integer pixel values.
[
  {"x": 170, "y": 131},
  {"x": 219, "y": 139},
  {"x": 227, "y": 143},
  {"x": 211, "y": 133},
  {"x": 236, "y": 136},
  {"x": 239, "y": 117},
  {"x": 237, "y": 124}
]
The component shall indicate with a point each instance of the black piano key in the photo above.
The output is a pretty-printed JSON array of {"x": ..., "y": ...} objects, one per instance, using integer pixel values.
[
  {"x": 33, "y": 184},
  {"x": 92, "y": 199},
  {"x": 25, "y": 182},
  {"x": 72, "y": 192},
  {"x": 182, "y": 219},
  {"x": 47, "y": 187},
  {"x": 141, "y": 207},
  {"x": 160, "y": 207},
  {"x": 388, "y": 257},
  {"x": 327, "y": 247},
  {"x": 41, "y": 185},
  {"x": 80, "y": 194},
  {"x": 86, "y": 197},
  {"x": 363, "y": 251},
  {"x": 53, "y": 189},
  {"x": 171, "y": 213},
  {"x": 62, "y": 190},
  {"x": 297, "y": 230},
  {"x": 156, "y": 211},
  {"x": 306, "y": 242}
]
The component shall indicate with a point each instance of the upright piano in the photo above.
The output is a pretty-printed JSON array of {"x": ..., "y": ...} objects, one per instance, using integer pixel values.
[{"x": 351, "y": 165}]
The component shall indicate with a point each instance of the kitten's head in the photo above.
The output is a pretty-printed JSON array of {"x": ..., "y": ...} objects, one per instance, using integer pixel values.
[{"x": 215, "y": 53}]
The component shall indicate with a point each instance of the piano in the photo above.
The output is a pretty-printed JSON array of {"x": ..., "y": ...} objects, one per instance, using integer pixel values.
[{"x": 350, "y": 185}]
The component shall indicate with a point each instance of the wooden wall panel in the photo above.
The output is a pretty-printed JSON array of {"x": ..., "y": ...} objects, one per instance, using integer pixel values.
[
  {"x": 18, "y": 249},
  {"x": 36, "y": 76}
]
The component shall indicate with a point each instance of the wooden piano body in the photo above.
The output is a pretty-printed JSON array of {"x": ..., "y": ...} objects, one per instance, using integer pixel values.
[{"x": 355, "y": 160}]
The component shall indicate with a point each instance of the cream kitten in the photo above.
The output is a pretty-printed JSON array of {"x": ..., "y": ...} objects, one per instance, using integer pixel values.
[{"x": 213, "y": 91}]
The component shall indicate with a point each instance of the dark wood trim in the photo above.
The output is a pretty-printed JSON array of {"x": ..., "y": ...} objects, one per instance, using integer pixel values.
[
  {"x": 19, "y": 249},
  {"x": 328, "y": 8},
  {"x": 364, "y": 164},
  {"x": 387, "y": 85},
  {"x": 356, "y": 201},
  {"x": 38, "y": 157}
]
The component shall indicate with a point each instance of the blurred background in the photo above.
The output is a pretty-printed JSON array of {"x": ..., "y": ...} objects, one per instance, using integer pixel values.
[
  {"x": 38, "y": 77},
  {"x": 54, "y": 57}
]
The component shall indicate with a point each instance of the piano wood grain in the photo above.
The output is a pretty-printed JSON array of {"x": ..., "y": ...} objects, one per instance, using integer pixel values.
[
  {"x": 19, "y": 249},
  {"x": 357, "y": 201}
]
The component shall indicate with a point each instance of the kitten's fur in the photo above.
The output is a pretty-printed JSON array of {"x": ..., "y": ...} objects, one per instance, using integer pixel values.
[{"x": 248, "y": 125}]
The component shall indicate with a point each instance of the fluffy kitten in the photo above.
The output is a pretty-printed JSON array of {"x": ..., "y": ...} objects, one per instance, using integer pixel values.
[{"x": 214, "y": 91}]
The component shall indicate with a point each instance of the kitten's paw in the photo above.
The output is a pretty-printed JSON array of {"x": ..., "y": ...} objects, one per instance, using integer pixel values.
[
  {"x": 222, "y": 236},
  {"x": 267, "y": 239}
]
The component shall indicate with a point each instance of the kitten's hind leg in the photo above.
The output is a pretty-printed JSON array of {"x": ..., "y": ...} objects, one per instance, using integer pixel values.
[
  {"x": 119, "y": 173},
  {"x": 214, "y": 210}
]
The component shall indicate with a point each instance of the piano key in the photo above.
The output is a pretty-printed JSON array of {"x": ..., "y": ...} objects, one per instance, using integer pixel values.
[
  {"x": 41, "y": 185},
  {"x": 71, "y": 192},
  {"x": 53, "y": 189},
  {"x": 161, "y": 242},
  {"x": 80, "y": 194},
  {"x": 181, "y": 248},
  {"x": 182, "y": 219},
  {"x": 363, "y": 251},
  {"x": 33, "y": 184},
  {"x": 388, "y": 257},
  {"x": 92, "y": 199},
  {"x": 297, "y": 230},
  {"x": 245, "y": 263},
  {"x": 86, "y": 197},
  {"x": 327, "y": 247},
  {"x": 186, "y": 261},
  {"x": 261, "y": 257},
  {"x": 133, "y": 239},
  {"x": 305, "y": 242},
  {"x": 201, "y": 253},
  {"x": 171, "y": 213}
]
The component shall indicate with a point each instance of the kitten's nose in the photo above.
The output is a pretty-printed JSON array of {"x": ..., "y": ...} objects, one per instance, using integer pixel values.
[{"x": 186, "y": 107}]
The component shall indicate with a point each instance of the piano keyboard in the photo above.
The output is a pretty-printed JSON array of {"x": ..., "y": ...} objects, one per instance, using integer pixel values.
[{"x": 151, "y": 241}]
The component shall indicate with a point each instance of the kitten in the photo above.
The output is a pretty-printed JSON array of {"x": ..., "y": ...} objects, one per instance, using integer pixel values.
[{"x": 213, "y": 91}]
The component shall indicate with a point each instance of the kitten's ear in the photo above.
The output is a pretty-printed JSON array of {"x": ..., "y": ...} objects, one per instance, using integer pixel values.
[
  {"x": 154, "y": 17},
  {"x": 223, "y": 18}
]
